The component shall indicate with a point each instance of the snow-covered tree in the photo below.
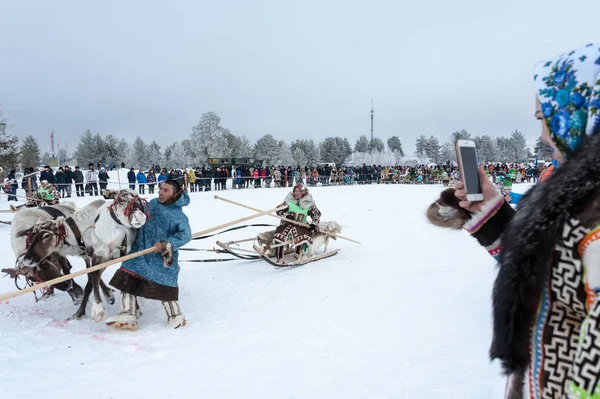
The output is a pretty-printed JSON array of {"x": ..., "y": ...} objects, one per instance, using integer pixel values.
[
  {"x": 518, "y": 147},
  {"x": 30, "y": 152},
  {"x": 394, "y": 144},
  {"x": 376, "y": 145},
  {"x": 461, "y": 135},
  {"x": 487, "y": 150},
  {"x": 139, "y": 154},
  {"x": 335, "y": 149},
  {"x": 116, "y": 150},
  {"x": 542, "y": 150},
  {"x": 385, "y": 157},
  {"x": 421, "y": 146},
  {"x": 299, "y": 158},
  {"x": 267, "y": 149},
  {"x": 502, "y": 146},
  {"x": 46, "y": 159},
  {"x": 175, "y": 156},
  {"x": 285, "y": 154},
  {"x": 362, "y": 144},
  {"x": 310, "y": 150},
  {"x": 9, "y": 145},
  {"x": 208, "y": 139},
  {"x": 432, "y": 149},
  {"x": 239, "y": 146},
  {"x": 63, "y": 157},
  {"x": 154, "y": 153},
  {"x": 90, "y": 149},
  {"x": 447, "y": 152}
]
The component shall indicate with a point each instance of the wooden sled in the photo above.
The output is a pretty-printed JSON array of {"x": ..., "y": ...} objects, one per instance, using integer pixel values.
[
  {"x": 294, "y": 263},
  {"x": 261, "y": 251}
]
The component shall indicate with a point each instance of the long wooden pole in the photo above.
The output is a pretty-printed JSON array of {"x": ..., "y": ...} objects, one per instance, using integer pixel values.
[
  {"x": 22, "y": 196},
  {"x": 283, "y": 218},
  {"x": 126, "y": 257},
  {"x": 30, "y": 174}
]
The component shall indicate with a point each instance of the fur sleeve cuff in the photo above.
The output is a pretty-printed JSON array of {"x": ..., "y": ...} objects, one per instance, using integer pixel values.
[
  {"x": 488, "y": 225},
  {"x": 487, "y": 211}
]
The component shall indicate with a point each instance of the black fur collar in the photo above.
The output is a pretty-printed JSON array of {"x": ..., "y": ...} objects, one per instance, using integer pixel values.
[{"x": 528, "y": 243}]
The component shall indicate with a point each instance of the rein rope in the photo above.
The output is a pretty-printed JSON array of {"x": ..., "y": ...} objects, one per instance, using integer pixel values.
[
  {"x": 31, "y": 282},
  {"x": 247, "y": 257},
  {"x": 235, "y": 228}
]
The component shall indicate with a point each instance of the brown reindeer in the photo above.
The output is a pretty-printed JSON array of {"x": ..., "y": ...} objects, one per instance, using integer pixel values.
[{"x": 97, "y": 233}]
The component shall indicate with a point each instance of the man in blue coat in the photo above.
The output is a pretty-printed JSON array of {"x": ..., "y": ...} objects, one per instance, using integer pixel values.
[{"x": 155, "y": 275}]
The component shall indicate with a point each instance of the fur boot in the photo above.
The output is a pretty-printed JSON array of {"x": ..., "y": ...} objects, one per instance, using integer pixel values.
[
  {"x": 175, "y": 318},
  {"x": 127, "y": 319}
]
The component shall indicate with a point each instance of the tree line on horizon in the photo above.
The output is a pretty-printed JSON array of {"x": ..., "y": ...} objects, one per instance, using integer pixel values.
[{"x": 208, "y": 139}]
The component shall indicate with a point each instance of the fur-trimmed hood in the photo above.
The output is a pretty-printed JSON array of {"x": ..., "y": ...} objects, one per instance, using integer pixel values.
[{"x": 304, "y": 202}]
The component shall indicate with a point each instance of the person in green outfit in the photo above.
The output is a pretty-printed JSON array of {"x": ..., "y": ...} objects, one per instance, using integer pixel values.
[
  {"x": 299, "y": 206},
  {"x": 45, "y": 195}
]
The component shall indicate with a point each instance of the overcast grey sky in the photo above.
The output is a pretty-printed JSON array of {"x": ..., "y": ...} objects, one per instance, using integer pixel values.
[{"x": 294, "y": 69}]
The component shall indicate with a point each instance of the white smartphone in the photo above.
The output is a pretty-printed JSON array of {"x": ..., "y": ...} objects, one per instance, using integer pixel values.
[{"x": 469, "y": 169}]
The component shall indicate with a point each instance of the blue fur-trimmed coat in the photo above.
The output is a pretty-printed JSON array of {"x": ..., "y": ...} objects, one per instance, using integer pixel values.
[{"x": 167, "y": 223}]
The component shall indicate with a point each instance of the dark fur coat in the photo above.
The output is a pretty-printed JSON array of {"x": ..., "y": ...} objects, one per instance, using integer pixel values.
[{"x": 573, "y": 190}]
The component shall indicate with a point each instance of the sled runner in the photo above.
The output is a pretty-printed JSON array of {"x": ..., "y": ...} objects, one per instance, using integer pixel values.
[{"x": 293, "y": 263}]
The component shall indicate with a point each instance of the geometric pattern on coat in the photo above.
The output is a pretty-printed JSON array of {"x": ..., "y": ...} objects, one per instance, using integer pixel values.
[{"x": 555, "y": 335}]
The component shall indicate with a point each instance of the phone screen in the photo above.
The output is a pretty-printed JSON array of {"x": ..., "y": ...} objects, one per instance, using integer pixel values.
[{"x": 470, "y": 170}]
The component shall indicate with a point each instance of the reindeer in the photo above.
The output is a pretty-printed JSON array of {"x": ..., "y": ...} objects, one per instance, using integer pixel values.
[
  {"x": 97, "y": 233},
  {"x": 51, "y": 267}
]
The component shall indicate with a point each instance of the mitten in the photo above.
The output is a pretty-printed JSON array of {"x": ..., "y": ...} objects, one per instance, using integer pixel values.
[
  {"x": 290, "y": 217},
  {"x": 314, "y": 228},
  {"x": 167, "y": 254}
]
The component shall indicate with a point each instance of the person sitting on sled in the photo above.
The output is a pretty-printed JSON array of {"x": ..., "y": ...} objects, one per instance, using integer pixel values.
[
  {"x": 299, "y": 207},
  {"x": 155, "y": 275},
  {"x": 45, "y": 195}
]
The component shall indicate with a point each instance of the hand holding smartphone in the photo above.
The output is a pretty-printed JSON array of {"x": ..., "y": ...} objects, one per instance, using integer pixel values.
[{"x": 468, "y": 166}]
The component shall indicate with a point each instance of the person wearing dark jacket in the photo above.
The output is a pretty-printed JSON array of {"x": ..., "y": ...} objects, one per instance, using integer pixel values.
[
  {"x": 60, "y": 182},
  {"x": 33, "y": 177},
  {"x": 151, "y": 180},
  {"x": 13, "y": 185},
  {"x": 68, "y": 181},
  {"x": 546, "y": 297},
  {"x": 131, "y": 179},
  {"x": 78, "y": 178},
  {"x": 47, "y": 175},
  {"x": 103, "y": 180}
]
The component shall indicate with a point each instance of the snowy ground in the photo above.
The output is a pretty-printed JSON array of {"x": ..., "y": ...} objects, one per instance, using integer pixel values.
[{"x": 404, "y": 315}]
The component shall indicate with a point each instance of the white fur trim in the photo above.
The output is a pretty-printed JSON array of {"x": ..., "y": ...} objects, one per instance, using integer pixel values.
[
  {"x": 447, "y": 212},
  {"x": 484, "y": 212},
  {"x": 97, "y": 312},
  {"x": 591, "y": 262}
]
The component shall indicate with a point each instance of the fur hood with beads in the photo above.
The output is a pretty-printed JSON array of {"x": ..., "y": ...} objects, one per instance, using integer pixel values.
[{"x": 305, "y": 202}]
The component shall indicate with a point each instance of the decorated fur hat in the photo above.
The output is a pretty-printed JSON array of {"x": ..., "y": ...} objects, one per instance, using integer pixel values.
[{"x": 568, "y": 88}]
